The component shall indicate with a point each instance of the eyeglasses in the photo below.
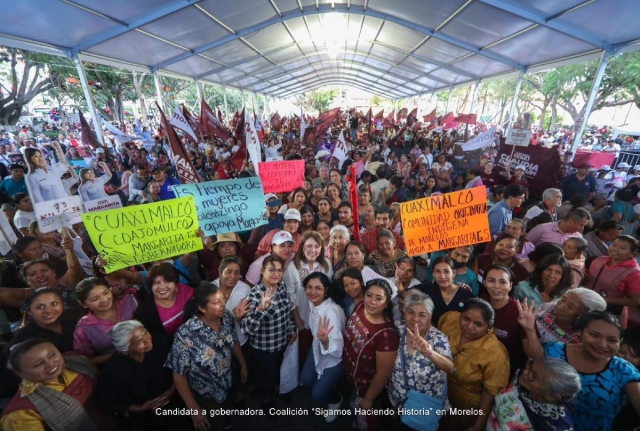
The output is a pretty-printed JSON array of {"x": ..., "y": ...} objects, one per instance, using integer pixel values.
[
  {"x": 274, "y": 270},
  {"x": 530, "y": 375}
]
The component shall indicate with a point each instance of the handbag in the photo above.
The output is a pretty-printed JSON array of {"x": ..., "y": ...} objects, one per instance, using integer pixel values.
[{"x": 418, "y": 402}]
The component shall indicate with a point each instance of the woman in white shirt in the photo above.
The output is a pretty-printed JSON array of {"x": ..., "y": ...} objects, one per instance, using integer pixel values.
[
  {"x": 44, "y": 182},
  {"x": 91, "y": 187},
  {"x": 442, "y": 164},
  {"x": 323, "y": 368}
]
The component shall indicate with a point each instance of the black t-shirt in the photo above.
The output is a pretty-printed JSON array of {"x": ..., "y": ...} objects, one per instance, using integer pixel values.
[{"x": 353, "y": 123}]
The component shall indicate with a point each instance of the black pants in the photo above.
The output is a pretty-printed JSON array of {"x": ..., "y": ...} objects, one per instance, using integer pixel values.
[{"x": 266, "y": 370}]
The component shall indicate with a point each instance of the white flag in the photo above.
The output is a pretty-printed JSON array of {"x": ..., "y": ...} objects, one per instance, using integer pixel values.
[
  {"x": 177, "y": 120},
  {"x": 118, "y": 134},
  {"x": 482, "y": 140},
  {"x": 340, "y": 152},
  {"x": 252, "y": 141}
]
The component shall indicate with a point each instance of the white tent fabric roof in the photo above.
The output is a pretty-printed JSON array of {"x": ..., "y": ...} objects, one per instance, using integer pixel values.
[{"x": 281, "y": 48}]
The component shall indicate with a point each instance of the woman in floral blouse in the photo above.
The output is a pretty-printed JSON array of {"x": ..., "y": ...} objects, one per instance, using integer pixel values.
[
  {"x": 424, "y": 356},
  {"x": 536, "y": 399},
  {"x": 200, "y": 357}
]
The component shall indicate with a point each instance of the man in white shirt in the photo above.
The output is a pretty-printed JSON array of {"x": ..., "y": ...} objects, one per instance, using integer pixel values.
[
  {"x": 611, "y": 147},
  {"x": 24, "y": 215},
  {"x": 379, "y": 185}
]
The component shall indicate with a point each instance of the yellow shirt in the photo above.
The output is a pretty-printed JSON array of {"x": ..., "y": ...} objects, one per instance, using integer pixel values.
[
  {"x": 480, "y": 364},
  {"x": 30, "y": 420}
]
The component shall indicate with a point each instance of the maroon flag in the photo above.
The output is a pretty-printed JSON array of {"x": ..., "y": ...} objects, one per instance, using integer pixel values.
[
  {"x": 402, "y": 114},
  {"x": 239, "y": 134},
  {"x": 186, "y": 172},
  {"x": 210, "y": 123},
  {"x": 380, "y": 115},
  {"x": 417, "y": 126},
  {"x": 192, "y": 120},
  {"x": 363, "y": 118},
  {"x": 391, "y": 118},
  {"x": 448, "y": 117},
  {"x": 431, "y": 118},
  {"x": 89, "y": 139},
  {"x": 220, "y": 116},
  {"x": 325, "y": 119},
  {"x": 398, "y": 135},
  {"x": 275, "y": 122},
  {"x": 466, "y": 118},
  {"x": 413, "y": 117}
]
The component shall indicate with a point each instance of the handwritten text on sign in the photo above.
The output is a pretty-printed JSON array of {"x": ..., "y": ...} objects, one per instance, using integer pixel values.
[
  {"x": 144, "y": 233},
  {"x": 447, "y": 221},
  {"x": 227, "y": 205},
  {"x": 281, "y": 176}
]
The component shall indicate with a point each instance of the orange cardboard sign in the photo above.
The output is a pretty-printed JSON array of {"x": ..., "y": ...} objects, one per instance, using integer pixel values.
[{"x": 447, "y": 221}]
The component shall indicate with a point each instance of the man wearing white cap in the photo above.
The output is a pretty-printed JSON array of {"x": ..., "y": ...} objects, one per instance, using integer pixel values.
[
  {"x": 619, "y": 176},
  {"x": 281, "y": 245},
  {"x": 635, "y": 173},
  {"x": 291, "y": 224}
]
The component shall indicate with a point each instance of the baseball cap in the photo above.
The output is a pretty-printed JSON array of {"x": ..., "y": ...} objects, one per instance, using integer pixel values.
[
  {"x": 281, "y": 237},
  {"x": 6, "y": 207},
  {"x": 605, "y": 168},
  {"x": 292, "y": 214},
  {"x": 99, "y": 151},
  {"x": 521, "y": 167},
  {"x": 636, "y": 168},
  {"x": 270, "y": 196},
  {"x": 623, "y": 165}
]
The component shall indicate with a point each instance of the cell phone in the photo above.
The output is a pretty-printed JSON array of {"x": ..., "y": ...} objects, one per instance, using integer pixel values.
[{"x": 275, "y": 203}]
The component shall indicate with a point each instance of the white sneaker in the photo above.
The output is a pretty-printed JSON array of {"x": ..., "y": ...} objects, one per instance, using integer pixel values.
[{"x": 333, "y": 407}]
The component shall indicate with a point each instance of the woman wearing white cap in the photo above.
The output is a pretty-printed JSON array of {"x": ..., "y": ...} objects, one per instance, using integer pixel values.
[{"x": 291, "y": 224}]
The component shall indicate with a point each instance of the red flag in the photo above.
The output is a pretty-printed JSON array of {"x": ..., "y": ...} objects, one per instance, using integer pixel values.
[
  {"x": 417, "y": 126},
  {"x": 89, "y": 139},
  {"x": 192, "y": 120},
  {"x": 210, "y": 123},
  {"x": 363, "y": 118},
  {"x": 402, "y": 114},
  {"x": 431, "y": 118},
  {"x": 466, "y": 118},
  {"x": 309, "y": 137},
  {"x": 413, "y": 116},
  {"x": 239, "y": 134},
  {"x": 391, "y": 118},
  {"x": 220, "y": 116},
  {"x": 239, "y": 157},
  {"x": 398, "y": 135},
  {"x": 380, "y": 114},
  {"x": 353, "y": 196},
  {"x": 186, "y": 172},
  {"x": 447, "y": 117}
]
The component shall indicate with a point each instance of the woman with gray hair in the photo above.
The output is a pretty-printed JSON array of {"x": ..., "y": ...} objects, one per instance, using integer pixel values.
[
  {"x": 336, "y": 250},
  {"x": 384, "y": 259},
  {"x": 556, "y": 322},
  {"x": 134, "y": 382},
  {"x": 537, "y": 398},
  {"x": 424, "y": 357}
]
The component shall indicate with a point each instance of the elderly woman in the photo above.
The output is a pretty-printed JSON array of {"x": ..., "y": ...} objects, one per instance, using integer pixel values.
[
  {"x": 270, "y": 327},
  {"x": 92, "y": 187},
  {"x": 423, "y": 361},
  {"x": 557, "y": 322},
  {"x": 549, "y": 281},
  {"x": 481, "y": 362},
  {"x": 162, "y": 312},
  {"x": 323, "y": 367},
  {"x": 370, "y": 348},
  {"x": 384, "y": 259},
  {"x": 200, "y": 357},
  {"x": 55, "y": 393},
  {"x": 537, "y": 399},
  {"x": 91, "y": 337},
  {"x": 337, "y": 249},
  {"x": 134, "y": 382},
  {"x": 608, "y": 382}
]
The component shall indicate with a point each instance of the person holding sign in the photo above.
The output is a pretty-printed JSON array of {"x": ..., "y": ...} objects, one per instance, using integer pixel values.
[
  {"x": 92, "y": 187},
  {"x": 44, "y": 181}
]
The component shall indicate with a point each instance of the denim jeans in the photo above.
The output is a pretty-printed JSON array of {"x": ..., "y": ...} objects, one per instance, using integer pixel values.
[{"x": 323, "y": 389}]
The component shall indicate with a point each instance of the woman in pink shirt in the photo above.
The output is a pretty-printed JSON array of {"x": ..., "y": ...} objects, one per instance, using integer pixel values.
[
  {"x": 162, "y": 313},
  {"x": 91, "y": 337}
]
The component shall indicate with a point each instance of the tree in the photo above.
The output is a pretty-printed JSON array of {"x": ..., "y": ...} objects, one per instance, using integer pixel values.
[
  {"x": 319, "y": 99},
  {"x": 26, "y": 75}
]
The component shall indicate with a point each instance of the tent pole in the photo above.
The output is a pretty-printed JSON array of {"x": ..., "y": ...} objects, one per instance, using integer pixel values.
[
  {"x": 581, "y": 123},
  {"x": 449, "y": 99},
  {"x": 199, "y": 90},
  {"x": 156, "y": 79},
  {"x": 242, "y": 93},
  {"x": 97, "y": 124},
  {"x": 226, "y": 108},
  {"x": 474, "y": 97},
  {"x": 514, "y": 102}
]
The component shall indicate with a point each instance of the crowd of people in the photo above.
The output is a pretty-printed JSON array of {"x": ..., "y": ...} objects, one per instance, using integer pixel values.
[{"x": 536, "y": 330}]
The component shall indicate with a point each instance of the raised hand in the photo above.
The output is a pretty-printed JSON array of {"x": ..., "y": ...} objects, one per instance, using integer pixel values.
[
  {"x": 416, "y": 341},
  {"x": 526, "y": 315},
  {"x": 265, "y": 300},
  {"x": 242, "y": 309},
  {"x": 324, "y": 330}
]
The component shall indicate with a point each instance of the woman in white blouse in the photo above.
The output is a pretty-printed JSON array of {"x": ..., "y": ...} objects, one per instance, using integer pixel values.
[{"x": 323, "y": 368}]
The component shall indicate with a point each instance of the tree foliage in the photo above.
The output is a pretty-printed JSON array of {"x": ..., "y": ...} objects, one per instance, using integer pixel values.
[{"x": 318, "y": 100}]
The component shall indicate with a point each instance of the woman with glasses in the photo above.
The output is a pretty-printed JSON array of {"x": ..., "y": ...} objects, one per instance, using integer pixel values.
[
  {"x": 537, "y": 399},
  {"x": 270, "y": 327}
]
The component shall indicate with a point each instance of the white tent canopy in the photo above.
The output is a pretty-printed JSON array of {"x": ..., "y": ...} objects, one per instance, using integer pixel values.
[
  {"x": 281, "y": 48},
  {"x": 626, "y": 130}
]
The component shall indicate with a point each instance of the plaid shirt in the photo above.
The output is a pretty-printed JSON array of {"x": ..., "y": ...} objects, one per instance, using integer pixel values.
[{"x": 269, "y": 330}]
